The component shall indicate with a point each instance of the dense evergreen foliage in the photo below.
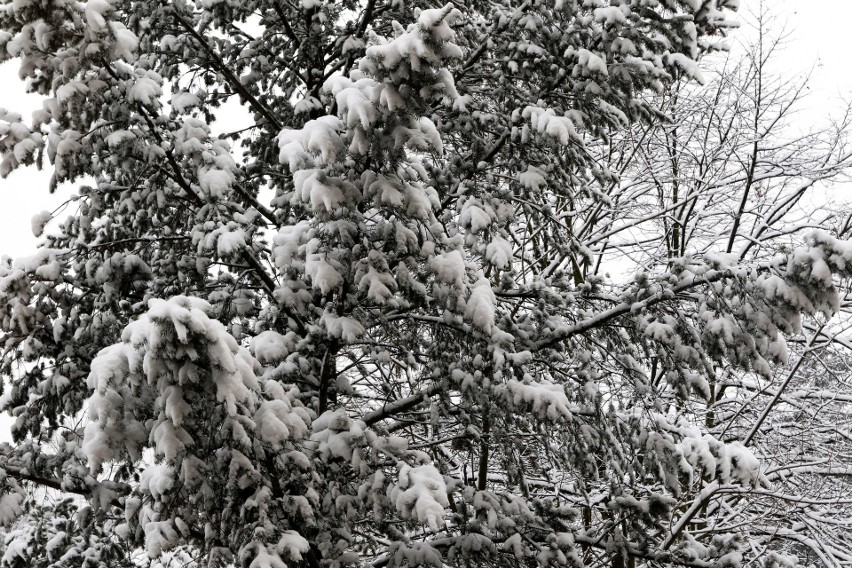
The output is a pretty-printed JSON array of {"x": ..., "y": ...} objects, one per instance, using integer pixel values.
[{"x": 487, "y": 283}]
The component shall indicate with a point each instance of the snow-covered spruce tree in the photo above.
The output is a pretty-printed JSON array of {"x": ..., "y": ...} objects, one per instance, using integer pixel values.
[{"x": 365, "y": 327}]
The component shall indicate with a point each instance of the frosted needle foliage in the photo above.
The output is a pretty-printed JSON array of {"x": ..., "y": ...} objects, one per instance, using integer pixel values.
[{"x": 380, "y": 283}]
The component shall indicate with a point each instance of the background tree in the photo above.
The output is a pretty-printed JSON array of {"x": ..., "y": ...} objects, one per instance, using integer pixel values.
[
  {"x": 732, "y": 172},
  {"x": 370, "y": 326}
]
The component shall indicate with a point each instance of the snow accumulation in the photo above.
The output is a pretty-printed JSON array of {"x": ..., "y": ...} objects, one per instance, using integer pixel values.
[
  {"x": 353, "y": 102},
  {"x": 96, "y": 13},
  {"x": 449, "y": 267},
  {"x": 377, "y": 284},
  {"x": 475, "y": 215},
  {"x": 288, "y": 241},
  {"x": 290, "y": 546},
  {"x": 418, "y": 42},
  {"x": 324, "y": 276},
  {"x": 18, "y": 137},
  {"x": 318, "y": 140},
  {"x": 219, "y": 445},
  {"x": 311, "y": 187},
  {"x": 592, "y": 62},
  {"x": 157, "y": 480},
  {"x": 547, "y": 399},
  {"x": 158, "y": 357},
  {"x": 270, "y": 347},
  {"x": 533, "y": 179},
  {"x": 182, "y": 101},
  {"x": 707, "y": 457},
  {"x": 685, "y": 64},
  {"x": 216, "y": 182},
  {"x": 277, "y": 423},
  {"x": 336, "y": 433},
  {"x": 146, "y": 89},
  {"x": 230, "y": 242},
  {"x": 611, "y": 15},
  {"x": 481, "y": 305},
  {"x": 39, "y": 221},
  {"x": 420, "y": 493},
  {"x": 125, "y": 44},
  {"x": 545, "y": 122},
  {"x": 11, "y": 507},
  {"x": 499, "y": 252}
]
